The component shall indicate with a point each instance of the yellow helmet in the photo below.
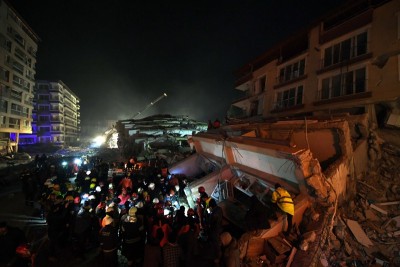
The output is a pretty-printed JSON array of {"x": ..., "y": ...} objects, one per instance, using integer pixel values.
[{"x": 92, "y": 186}]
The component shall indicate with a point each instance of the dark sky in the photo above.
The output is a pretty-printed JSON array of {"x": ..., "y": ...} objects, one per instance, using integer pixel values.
[{"x": 118, "y": 56}]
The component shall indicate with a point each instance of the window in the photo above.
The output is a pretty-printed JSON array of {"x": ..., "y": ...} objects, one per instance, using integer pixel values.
[
  {"x": 289, "y": 98},
  {"x": 346, "y": 50},
  {"x": 13, "y": 123},
  {"x": 43, "y": 87},
  {"x": 262, "y": 83},
  {"x": 44, "y": 108},
  {"x": 44, "y": 118},
  {"x": 292, "y": 71},
  {"x": 43, "y": 97},
  {"x": 3, "y": 105},
  {"x": 4, "y": 74},
  {"x": 349, "y": 83}
]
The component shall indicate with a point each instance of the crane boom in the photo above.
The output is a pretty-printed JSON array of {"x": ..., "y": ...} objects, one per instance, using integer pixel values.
[{"x": 149, "y": 105}]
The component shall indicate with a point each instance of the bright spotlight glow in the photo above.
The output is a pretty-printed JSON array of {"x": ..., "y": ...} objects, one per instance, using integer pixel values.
[
  {"x": 64, "y": 163},
  {"x": 99, "y": 140},
  {"x": 166, "y": 212},
  {"x": 78, "y": 162}
]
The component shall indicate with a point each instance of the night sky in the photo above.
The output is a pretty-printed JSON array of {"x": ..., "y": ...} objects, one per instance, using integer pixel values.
[{"x": 118, "y": 56}]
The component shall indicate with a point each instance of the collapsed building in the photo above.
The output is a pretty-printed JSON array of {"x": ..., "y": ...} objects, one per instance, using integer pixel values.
[
  {"x": 160, "y": 135},
  {"x": 321, "y": 162}
]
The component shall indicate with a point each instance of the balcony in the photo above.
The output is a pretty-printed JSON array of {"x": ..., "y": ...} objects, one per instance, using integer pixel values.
[
  {"x": 294, "y": 78},
  {"x": 56, "y": 99},
  {"x": 283, "y": 107},
  {"x": 344, "y": 64},
  {"x": 341, "y": 98}
]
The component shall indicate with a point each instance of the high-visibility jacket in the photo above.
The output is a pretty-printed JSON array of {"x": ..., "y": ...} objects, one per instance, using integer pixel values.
[{"x": 283, "y": 199}]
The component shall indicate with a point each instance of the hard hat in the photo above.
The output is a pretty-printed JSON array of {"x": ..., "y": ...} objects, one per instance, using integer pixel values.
[
  {"x": 110, "y": 209},
  {"x": 201, "y": 189},
  {"x": 69, "y": 198},
  {"x": 77, "y": 200},
  {"x": 132, "y": 211},
  {"x": 140, "y": 190},
  {"x": 110, "y": 186},
  {"x": 92, "y": 186},
  {"x": 107, "y": 220},
  {"x": 93, "y": 180},
  {"x": 139, "y": 205},
  {"x": 151, "y": 186},
  {"x": 98, "y": 188},
  {"x": 156, "y": 200}
]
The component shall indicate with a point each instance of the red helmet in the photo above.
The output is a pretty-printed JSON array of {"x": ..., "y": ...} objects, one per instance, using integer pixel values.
[
  {"x": 201, "y": 189},
  {"x": 23, "y": 251}
]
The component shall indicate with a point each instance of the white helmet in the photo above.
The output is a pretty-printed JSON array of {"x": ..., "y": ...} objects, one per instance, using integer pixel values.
[{"x": 151, "y": 186}]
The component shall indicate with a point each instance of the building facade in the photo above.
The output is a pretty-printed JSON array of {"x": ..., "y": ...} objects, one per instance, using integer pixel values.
[
  {"x": 56, "y": 116},
  {"x": 18, "y": 46},
  {"x": 347, "y": 62}
]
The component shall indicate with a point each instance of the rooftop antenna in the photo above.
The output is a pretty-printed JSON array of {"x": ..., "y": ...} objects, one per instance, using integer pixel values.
[{"x": 150, "y": 105}]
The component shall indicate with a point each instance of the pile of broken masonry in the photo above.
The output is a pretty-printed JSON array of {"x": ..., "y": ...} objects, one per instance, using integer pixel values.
[{"x": 365, "y": 231}]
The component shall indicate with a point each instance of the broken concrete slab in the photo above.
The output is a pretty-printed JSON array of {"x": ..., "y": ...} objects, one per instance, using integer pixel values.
[
  {"x": 373, "y": 206},
  {"x": 359, "y": 233},
  {"x": 279, "y": 245},
  {"x": 371, "y": 216}
]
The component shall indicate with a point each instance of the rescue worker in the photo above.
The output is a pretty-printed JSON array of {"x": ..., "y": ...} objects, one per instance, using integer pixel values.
[
  {"x": 199, "y": 205},
  {"x": 133, "y": 237},
  {"x": 83, "y": 224},
  {"x": 109, "y": 243},
  {"x": 281, "y": 197}
]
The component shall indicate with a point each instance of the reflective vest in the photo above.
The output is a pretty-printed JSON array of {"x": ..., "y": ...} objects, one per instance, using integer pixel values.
[{"x": 283, "y": 199}]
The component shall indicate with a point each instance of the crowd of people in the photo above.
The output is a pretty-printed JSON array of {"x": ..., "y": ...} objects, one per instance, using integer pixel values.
[{"x": 140, "y": 215}]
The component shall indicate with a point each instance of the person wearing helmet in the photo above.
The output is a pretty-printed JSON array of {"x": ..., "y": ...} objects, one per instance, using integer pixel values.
[
  {"x": 133, "y": 237},
  {"x": 81, "y": 230},
  {"x": 109, "y": 243},
  {"x": 201, "y": 205},
  {"x": 282, "y": 198}
]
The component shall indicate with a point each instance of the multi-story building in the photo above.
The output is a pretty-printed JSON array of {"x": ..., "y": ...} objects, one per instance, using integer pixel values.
[
  {"x": 18, "y": 46},
  {"x": 56, "y": 116},
  {"x": 346, "y": 62}
]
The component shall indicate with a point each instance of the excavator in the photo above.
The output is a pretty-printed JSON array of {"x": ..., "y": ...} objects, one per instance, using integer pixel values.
[{"x": 111, "y": 135}]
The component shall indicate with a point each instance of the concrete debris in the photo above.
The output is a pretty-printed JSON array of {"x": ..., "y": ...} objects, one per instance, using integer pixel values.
[
  {"x": 359, "y": 233},
  {"x": 384, "y": 212}
]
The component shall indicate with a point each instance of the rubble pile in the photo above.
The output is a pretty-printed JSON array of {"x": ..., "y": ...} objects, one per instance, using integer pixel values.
[{"x": 366, "y": 230}]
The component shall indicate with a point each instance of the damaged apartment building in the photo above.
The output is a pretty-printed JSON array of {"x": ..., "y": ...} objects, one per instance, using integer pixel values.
[{"x": 310, "y": 120}]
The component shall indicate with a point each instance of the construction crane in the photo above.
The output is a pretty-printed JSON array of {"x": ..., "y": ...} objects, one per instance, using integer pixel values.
[
  {"x": 150, "y": 105},
  {"x": 112, "y": 133}
]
